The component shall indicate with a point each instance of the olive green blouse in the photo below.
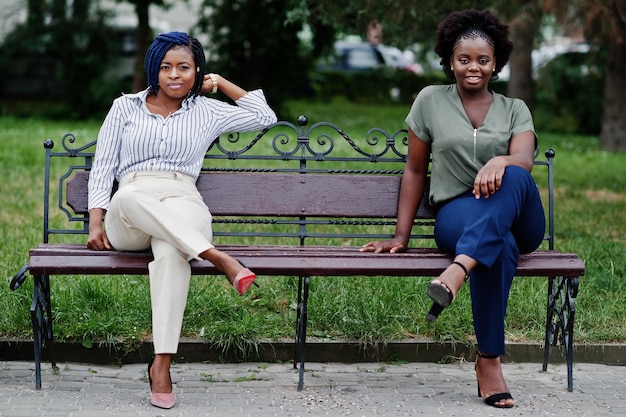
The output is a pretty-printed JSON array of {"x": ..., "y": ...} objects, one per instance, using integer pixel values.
[{"x": 458, "y": 150}]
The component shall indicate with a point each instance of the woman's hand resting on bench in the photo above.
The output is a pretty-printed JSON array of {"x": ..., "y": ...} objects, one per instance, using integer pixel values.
[
  {"x": 97, "y": 239},
  {"x": 391, "y": 246}
]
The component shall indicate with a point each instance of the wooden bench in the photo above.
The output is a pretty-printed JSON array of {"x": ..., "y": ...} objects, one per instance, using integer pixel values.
[{"x": 313, "y": 195}]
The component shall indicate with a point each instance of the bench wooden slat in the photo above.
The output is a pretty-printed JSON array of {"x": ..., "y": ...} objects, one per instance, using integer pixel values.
[
  {"x": 263, "y": 194},
  {"x": 291, "y": 260}
]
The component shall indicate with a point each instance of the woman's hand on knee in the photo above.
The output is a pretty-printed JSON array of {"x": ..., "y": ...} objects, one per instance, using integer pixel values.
[{"x": 489, "y": 178}]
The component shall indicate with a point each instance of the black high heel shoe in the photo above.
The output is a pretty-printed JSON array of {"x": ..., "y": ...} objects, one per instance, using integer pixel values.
[
  {"x": 159, "y": 399},
  {"x": 441, "y": 295},
  {"x": 494, "y": 399}
]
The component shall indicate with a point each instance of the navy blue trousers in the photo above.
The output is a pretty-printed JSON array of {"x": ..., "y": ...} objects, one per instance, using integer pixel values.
[{"x": 493, "y": 231}]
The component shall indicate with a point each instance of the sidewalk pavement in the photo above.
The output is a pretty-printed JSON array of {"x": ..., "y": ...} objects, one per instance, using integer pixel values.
[{"x": 331, "y": 389}]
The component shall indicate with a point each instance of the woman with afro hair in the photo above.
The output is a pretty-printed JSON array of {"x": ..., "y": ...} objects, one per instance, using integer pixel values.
[
  {"x": 482, "y": 146},
  {"x": 153, "y": 144}
]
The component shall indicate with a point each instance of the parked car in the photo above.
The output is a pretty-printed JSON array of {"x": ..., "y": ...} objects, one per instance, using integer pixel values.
[
  {"x": 391, "y": 73},
  {"x": 402, "y": 60},
  {"x": 364, "y": 56}
]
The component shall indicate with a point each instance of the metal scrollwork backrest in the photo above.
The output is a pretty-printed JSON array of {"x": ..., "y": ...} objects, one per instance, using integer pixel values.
[{"x": 317, "y": 142}]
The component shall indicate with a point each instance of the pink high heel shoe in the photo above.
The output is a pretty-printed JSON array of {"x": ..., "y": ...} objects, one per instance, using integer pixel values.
[
  {"x": 160, "y": 399},
  {"x": 244, "y": 279}
]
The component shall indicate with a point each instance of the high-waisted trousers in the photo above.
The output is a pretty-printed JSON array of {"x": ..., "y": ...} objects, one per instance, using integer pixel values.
[
  {"x": 493, "y": 231},
  {"x": 162, "y": 211}
]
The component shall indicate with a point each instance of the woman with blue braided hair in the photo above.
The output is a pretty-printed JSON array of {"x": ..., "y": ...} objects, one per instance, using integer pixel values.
[
  {"x": 153, "y": 144},
  {"x": 482, "y": 146}
]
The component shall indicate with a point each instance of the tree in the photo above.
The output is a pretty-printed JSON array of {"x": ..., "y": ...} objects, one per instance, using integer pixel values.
[
  {"x": 143, "y": 38},
  {"x": 404, "y": 23},
  {"x": 35, "y": 13},
  {"x": 253, "y": 44},
  {"x": 604, "y": 22},
  {"x": 524, "y": 20},
  {"x": 61, "y": 52}
]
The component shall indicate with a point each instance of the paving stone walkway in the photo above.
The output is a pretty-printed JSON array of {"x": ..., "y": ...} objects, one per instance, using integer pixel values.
[{"x": 331, "y": 389}]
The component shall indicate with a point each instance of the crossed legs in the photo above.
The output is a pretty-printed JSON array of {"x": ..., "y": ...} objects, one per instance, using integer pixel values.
[
  {"x": 164, "y": 212},
  {"x": 486, "y": 236}
]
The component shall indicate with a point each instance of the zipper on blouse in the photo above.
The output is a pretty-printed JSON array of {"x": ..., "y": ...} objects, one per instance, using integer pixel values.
[{"x": 475, "y": 130}]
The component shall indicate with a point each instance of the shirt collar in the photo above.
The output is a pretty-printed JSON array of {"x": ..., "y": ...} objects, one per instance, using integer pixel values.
[{"x": 187, "y": 103}]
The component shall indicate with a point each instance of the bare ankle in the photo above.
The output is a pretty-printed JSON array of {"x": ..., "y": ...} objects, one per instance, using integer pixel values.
[
  {"x": 452, "y": 278},
  {"x": 160, "y": 373}
]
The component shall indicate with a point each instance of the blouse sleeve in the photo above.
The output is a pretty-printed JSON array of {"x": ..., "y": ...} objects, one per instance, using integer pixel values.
[
  {"x": 416, "y": 120},
  {"x": 106, "y": 158},
  {"x": 251, "y": 113},
  {"x": 522, "y": 120}
]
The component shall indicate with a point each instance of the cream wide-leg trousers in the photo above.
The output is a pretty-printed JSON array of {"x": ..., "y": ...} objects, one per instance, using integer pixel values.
[{"x": 165, "y": 212}]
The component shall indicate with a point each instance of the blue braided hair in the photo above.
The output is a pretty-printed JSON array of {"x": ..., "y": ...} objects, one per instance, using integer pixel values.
[{"x": 157, "y": 50}]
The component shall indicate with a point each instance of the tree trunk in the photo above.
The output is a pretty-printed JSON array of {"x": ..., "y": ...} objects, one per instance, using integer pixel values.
[
  {"x": 36, "y": 12},
  {"x": 59, "y": 8},
  {"x": 613, "y": 133},
  {"x": 143, "y": 41},
  {"x": 80, "y": 9},
  {"x": 524, "y": 28}
]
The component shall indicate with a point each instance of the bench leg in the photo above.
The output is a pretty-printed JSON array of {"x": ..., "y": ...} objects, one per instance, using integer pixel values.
[
  {"x": 550, "y": 328},
  {"x": 41, "y": 318},
  {"x": 296, "y": 345},
  {"x": 301, "y": 319},
  {"x": 562, "y": 293}
]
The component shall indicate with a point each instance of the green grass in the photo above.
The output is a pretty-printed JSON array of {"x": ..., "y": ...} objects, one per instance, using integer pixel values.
[{"x": 590, "y": 220}]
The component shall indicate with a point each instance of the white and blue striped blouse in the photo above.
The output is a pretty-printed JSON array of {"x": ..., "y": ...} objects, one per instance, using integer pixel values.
[{"x": 132, "y": 139}]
